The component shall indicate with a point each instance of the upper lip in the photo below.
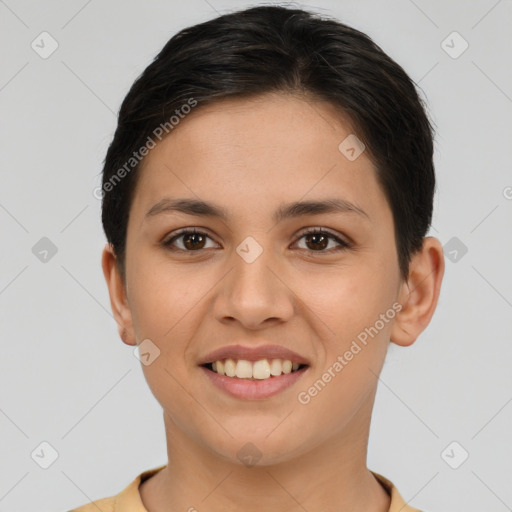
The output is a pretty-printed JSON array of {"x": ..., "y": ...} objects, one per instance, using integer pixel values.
[{"x": 253, "y": 354}]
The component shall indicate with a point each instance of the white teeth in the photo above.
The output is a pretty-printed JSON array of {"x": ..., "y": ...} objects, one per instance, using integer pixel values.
[
  {"x": 276, "y": 367},
  {"x": 244, "y": 369},
  {"x": 229, "y": 367},
  {"x": 261, "y": 370}
]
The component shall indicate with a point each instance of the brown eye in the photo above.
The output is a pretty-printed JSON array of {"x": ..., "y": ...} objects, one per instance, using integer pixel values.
[
  {"x": 192, "y": 240},
  {"x": 317, "y": 240}
]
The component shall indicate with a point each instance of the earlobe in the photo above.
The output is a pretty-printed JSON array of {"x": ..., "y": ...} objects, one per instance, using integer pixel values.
[
  {"x": 419, "y": 295},
  {"x": 118, "y": 300}
]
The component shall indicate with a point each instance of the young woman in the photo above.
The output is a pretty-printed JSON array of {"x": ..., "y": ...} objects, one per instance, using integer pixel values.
[{"x": 266, "y": 200}]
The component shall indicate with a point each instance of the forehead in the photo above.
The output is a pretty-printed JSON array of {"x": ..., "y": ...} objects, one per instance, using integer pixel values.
[
  {"x": 278, "y": 123},
  {"x": 254, "y": 153}
]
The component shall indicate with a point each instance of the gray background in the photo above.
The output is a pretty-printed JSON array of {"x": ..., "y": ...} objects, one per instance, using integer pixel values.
[{"x": 68, "y": 380}]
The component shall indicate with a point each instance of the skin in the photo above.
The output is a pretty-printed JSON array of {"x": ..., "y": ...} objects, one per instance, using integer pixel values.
[{"x": 251, "y": 156}]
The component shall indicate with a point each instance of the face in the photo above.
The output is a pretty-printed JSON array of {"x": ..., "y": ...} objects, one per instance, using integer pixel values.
[{"x": 254, "y": 279}]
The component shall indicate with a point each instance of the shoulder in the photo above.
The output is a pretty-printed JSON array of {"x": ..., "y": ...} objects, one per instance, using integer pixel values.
[
  {"x": 105, "y": 505},
  {"x": 127, "y": 499},
  {"x": 398, "y": 504}
]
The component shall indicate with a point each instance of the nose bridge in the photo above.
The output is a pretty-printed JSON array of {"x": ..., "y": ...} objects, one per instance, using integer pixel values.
[
  {"x": 252, "y": 279},
  {"x": 252, "y": 292}
]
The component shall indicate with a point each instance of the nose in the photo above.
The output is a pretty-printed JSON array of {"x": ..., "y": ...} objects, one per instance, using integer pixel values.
[{"x": 254, "y": 294}]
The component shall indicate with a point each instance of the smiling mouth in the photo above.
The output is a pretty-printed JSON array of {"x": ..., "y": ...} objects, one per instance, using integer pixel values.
[{"x": 254, "y": 370}]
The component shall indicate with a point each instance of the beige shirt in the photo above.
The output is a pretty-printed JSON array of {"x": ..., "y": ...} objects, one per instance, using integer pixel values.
[{"x": 128, "y": 500}]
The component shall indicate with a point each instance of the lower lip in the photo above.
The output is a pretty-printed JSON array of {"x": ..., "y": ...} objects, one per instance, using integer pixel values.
[{"x": 254, "y": 389}]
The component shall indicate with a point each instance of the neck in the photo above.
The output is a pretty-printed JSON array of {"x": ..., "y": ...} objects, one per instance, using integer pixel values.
[{"x": 330, "y": 477}]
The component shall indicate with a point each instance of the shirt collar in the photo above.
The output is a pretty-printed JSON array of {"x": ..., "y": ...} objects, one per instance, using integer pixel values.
[{"x": 128, "y": 500}]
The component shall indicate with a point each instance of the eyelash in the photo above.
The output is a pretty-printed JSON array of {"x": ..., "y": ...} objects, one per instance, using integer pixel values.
[{"x": 344, "y": 245}]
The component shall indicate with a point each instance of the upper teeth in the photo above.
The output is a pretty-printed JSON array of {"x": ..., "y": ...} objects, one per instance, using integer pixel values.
[{"x": 261, "y": 369}]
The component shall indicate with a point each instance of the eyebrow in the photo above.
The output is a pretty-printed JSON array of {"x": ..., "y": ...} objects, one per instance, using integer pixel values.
[{"x": 285, "y": 211}]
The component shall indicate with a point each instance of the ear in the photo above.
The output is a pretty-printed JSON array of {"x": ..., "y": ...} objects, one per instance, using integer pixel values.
[
  {"x": 420, "y": 293},
  {"x": 117, "y": 292}
]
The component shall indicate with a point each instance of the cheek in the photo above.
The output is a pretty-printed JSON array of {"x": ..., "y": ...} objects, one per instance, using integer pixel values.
[
  {"x": 336, "y": 397},
  {"x": 353, "y": 319},
  {"x": 346, "y": 299},
  {"x": 346, "y": 376},
  {"x": 160, "y": 295},
  {"x": 164, "y": 306}
]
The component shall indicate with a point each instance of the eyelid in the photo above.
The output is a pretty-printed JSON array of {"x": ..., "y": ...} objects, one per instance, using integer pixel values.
[{"x": 342, "y": 238}]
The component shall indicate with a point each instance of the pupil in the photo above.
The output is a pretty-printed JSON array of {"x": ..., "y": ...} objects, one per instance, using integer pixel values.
[
  {"x": 314, "y": 237},
  {"x": 193, "y": 236}
]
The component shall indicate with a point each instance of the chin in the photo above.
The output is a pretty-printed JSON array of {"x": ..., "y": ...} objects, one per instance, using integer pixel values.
[{"x": 259, "y": 449}]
